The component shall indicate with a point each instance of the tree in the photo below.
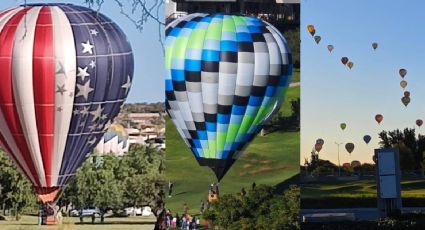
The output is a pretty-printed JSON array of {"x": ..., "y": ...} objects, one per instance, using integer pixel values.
[{"x": 293, "y": 39}]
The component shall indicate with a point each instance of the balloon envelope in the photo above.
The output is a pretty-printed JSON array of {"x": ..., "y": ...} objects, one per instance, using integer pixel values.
[
  {"x": 317, "y": 39},
  {"x": 311, "y": 30},
  {"x": 219, "y": 101},
  {"x": 343, "y": 126},
  {"x": 350, "y": 64},
  {"x": 72, "y": 79},
  {"x": 320, "y": 141},
  {"x": 349, "y": 147},
  {"x": 419, "y": 122},
  {"x": 330, "y": 48},
  {"x": 367, "y": 139},
  {"x": 403, "y": 84},
  {"x": 405, "y": 100},
  {"x": 344, "y": 60},
  {"x": 318, "y": 147},
  {"x": 374, "y": 45},
  {"x": 379, "y": 118},
  {"x": 406, "y": 94},
  {"x": 402, "y": 72}
]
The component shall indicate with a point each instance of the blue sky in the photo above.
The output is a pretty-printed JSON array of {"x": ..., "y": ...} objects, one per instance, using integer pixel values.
[
  {"x": 331, "y": 93},
  {"x": 148, "y": 81}
]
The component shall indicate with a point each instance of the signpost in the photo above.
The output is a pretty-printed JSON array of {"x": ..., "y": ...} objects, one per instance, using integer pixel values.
[{"x": 388, "y": 181}]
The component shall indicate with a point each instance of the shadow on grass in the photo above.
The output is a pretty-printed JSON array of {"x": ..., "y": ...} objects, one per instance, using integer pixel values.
[{"x": 282, "y": 186}]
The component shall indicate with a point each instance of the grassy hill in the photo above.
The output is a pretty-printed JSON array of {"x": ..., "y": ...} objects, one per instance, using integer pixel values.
[{"x": 269, "y": 160}]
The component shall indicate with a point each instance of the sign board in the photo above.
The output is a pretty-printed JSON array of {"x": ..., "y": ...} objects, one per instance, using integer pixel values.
[
  {"x": 386, "y": 163},
  {"x": 388, "y": 186}
]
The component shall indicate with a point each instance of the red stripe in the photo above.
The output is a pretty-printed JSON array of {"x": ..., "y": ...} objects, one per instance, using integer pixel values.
[
  {"x": 5, "y": 12},
  {"x": 44, "y": 87},
  {"x": 7, "y": 102}
]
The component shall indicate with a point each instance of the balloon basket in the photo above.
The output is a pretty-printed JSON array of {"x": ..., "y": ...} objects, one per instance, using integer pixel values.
[{"x": 212, "y": 197}]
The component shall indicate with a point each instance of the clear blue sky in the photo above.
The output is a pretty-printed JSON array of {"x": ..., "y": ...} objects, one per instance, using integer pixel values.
[
  {"x": 148, "y": 81},
  {"x": 331, "y": 93}
]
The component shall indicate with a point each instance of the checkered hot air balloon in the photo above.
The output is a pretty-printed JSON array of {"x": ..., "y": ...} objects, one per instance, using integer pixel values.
[
  {"x": 226, "y": 76},
  {"x": 65, "y": 72}
]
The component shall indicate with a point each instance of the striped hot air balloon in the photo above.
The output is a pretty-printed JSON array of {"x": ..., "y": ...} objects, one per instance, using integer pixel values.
[
  {"x": 65, "y": 72},
  {"x": 226, "y": 77},
  {"x": 113, "y": 142}
]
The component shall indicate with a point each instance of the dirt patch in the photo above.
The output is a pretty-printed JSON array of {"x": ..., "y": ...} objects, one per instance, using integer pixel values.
[
  {"x": 245, "y": 166},
  {"x": 267, "y": 161},
  {"x": 267, "y": 170}
]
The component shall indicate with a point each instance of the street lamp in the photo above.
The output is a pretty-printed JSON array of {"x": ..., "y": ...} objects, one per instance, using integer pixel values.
[{"x": 339, "y": 164}]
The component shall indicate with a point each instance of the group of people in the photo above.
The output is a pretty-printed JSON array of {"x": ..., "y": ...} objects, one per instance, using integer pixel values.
[{"x": 185, "y": 221}]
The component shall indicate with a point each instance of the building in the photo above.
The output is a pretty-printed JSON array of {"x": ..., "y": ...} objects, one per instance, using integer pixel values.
[{"x": 283, "y": 14}]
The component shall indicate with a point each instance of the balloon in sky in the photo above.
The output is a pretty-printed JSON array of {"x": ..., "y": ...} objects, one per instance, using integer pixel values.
[
  {"x": 66, "y": 71},
  {"x": 367, "y": 138},
  {"x": 226, "y": 77},
  {"x": 405, "y": 100},
  {"x": 115, "y": 141},
  {"x": 344, "y": 60},
  {"x": 403, "y": 84},
  {"x": 419, "y": 122},
  {"x": 317, "y": 39},
  {"x": 350, "y": 64},
  {"x": 374, "y": 45},
  {"x": 320, "y": 141},
  {"x": 311, "y": 30},
  {"x": 402, "y": 72},
  {"x": 343, "y": 126},
  {"x": 330, "y": 48},
  {"x": 406, "y": 93},
  {"x": 318, "y": 147},
  {"x": 379, "y": 118},
  {"x": 349, "y": 147}
]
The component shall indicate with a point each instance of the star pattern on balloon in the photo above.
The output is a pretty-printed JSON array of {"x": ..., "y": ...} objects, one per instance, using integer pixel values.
[
  {"x": 84, "y": 90},
  {"x": 97, "y": 113},
  {"x": 61, "y": 89},
  {"x": 92, "y": 64},
  {"x": 82, "y": 72},
  {"x": 87, "y": 47},
  {"x": 127, "y": 85}
]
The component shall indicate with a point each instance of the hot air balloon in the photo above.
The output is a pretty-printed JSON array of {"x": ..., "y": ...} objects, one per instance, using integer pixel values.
[
  {"x": 344, "y": 60},
  {"x": 355, "y": 164},
  {"x": 318, "y": 147},
  {"x": 311, "y": 30},
  {"x": 419, "y": 122},
  {"x": 374, "y": 45},
  {"x": 349, "y": 147},
  {"x": 402, "y": 72},
  {"x": 367, "y": 139},
  {"x": 403, "y": 84},
  {"x": 343, "y": 126},
  {"x": 330, "y": 48},
  {"x": 379, "y": 118},
  {"x": 350, "y": 64},
  {"x": 235, "y": 73},
  {"x": 346, "y": 165},
  {"x": 317, "y": 39},
  {"x": 320, "y": 141},
  {"x": 406, "y": 93},
  {"x": 66, "y": 71},
  {"x": 405, "y": 100},
  {"x": 114, "y": 141}
]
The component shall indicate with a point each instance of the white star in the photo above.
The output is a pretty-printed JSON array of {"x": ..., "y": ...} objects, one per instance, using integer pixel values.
[
  {"x": 85, "y": 111},
  {"x": 76, "y": 112},
  {"x": 87, "y": 47},
  {"x": 104, "y": 116},
  {"x": 84, "y": 90},
  {"x": 127, "y": 85},
  {"x": 61, "y": 89},
  {"x": 92, "y": 141},
  {"x": 97, "y": 113},
  {"x": 83, "y": 73},
  {"x": 94, "y": 32},
  {"x": 107, "y": 125},
  {"x": 92, "y": 127},
  {"x": 92, "y": 64}
]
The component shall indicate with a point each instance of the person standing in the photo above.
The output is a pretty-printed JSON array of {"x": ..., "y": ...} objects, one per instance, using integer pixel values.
[
  {"x": 170, "y": 188},
  {"x": 202, "y": 206},
  {"x": 253, "y": 185}
]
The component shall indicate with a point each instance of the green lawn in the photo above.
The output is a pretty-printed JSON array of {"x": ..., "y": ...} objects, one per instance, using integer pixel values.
[
  {"x": 357, "y": 193},
  {"x": 269, "y": 160},
  {"x": 296, "y": 75},
  {"x": 72, "y": 223}
]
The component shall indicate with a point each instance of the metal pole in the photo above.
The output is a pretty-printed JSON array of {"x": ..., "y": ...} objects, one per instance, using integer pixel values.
[{"x": 339, "y": 164}]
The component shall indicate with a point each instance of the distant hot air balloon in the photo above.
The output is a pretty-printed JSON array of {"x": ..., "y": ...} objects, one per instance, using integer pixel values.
[
  {"x": 343, "y": 126},
  {"x": 405, "y": 100},
  {"x": 346, "y": 165},
  {"x": 406, "y": 93},
  {"x": 66, "y": 71},
  {"x": 311, "y": 30},
  {"x": 320, "y": 141},
  {"x": 318, "y": 147},
  {"x": 226, "y": 104},
  {"x": 349, "y": 147},
  {"x": 379, "y": 118},
  {"x": 330, "y": 48},
  {"x": 374, "y": 45},
  {"x": 350, "y": 64},
  {"x": 419, "y": 122},
  {"x": 403, "y": 84},
  {"x": 402, "y": 72},
  {"x": 317, "y": 39},
  {"x": 344, "y": 60},
  {"x": 355, "y": 164},
  {"x": 367, "y": 138}
]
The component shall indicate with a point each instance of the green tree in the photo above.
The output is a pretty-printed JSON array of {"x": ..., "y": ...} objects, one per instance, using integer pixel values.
[{"x": 293, "y": 39}]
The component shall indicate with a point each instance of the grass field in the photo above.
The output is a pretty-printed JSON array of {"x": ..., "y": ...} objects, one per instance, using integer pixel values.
[
  {"x": 269, "y": 160},
  {"x": 356, "y": 194},
  {"x": 72, "y": 223}
]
